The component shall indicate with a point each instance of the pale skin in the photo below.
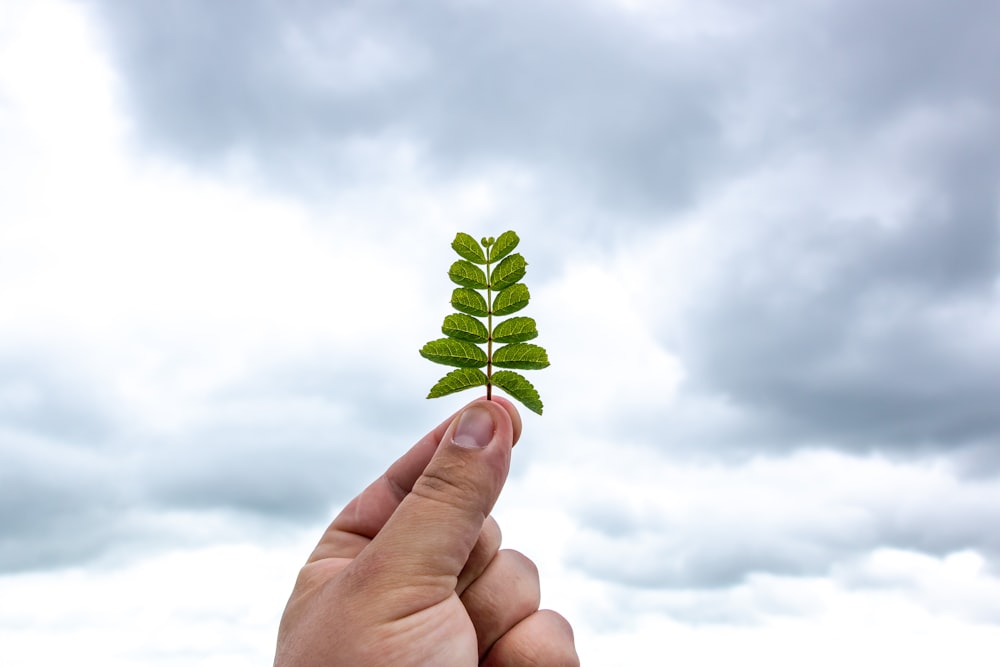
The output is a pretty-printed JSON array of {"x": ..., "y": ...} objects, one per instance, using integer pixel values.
[{"x": 411, "y": 572}]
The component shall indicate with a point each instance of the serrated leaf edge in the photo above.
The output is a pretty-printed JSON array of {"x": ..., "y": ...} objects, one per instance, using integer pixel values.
[
  {"x": 472, "y": 250},
  {"x": 458, "y": 380},
  {"x": 528, "y": 397}
]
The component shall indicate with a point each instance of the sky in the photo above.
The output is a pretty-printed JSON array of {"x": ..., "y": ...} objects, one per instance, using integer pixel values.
[{"x": 764, "y": 257}]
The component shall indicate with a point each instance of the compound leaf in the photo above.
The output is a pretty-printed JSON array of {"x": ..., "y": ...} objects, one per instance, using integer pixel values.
[
  {"x": 451, "y": 352},
  {"x": 457, "y": 380},
  {"x": 511, "y": 300},
  {"x": 469, "y": 301},
  {"x": 521, "y": 355},
  {"x": 489, "y": 276},
  {"x": 508, "y": 272},
  {"x": 515, "y": 330},
  {"x": 467, "y": 274},
  {"x": 502, "y": 246},
  {"x": 465, "y": 327},
  {"x": 518, "y": 387},
  {"x": 467, "y": 247}
]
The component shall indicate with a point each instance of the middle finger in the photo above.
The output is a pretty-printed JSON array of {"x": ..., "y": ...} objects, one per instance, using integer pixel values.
[{"x": 506, "y": 593}]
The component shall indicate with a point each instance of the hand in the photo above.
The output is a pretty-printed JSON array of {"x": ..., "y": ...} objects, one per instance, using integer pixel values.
[{"x": 411, "y": 571}]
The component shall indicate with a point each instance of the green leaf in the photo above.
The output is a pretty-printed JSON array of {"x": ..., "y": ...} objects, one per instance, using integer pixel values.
[
  {"x": 489, "y": 268},
  {"x": 465, "y": 327},
  {"x": 502, "y": 246},
  {"x": 469, "y": 301},
  {"x": 467, "y": 274},
  {"x": 518, "y": 387},
  {"x": 451, "y": 352},
  {"x": 508, "y": 272},
  {"x": 515, "y": 330},
  {"x": 457, "y": 380},
  {"x": 467, "y": 247},
  {"x": 521, "y": 355},
  {"x": 511, "y": 300}
]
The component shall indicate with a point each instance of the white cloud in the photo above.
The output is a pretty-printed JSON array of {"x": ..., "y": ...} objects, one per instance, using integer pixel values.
[
  {"x": 862, "y": 630},
  {"x": 600, "y": 339},
  {"x": 207, "y": 606}
]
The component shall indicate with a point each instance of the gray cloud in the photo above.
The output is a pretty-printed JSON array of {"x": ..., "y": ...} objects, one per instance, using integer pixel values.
[
  {"x": 290, "y": 441},
  {"x": 711, "y": 529},
  {"x": 604, "y": 109},
  {"x": 865, "y": 329},
  {"x": 895, "y": 54},
  {"x": 865, "y": 332},
  {"x": 47, "y": 397},
  {"x": 60, "y": 502},
  {"x": 57, "y": 485},
  {"x": 285, "y": 447},
  {"x": 620, "y": 111}
]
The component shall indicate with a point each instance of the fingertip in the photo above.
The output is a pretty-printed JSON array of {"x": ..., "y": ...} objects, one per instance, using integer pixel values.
[
  {"x": 515, "y": 416},
  {"x": 505, "y": 416},
  {"x": 559, "y": 624},
  {"x": 544, "y": 638}
]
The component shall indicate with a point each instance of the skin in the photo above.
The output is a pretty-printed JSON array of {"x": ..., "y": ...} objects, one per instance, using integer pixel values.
[{"x": 411, "y": 571}]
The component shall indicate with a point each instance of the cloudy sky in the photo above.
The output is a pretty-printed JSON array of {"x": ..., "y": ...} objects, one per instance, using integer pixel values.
[{"x": 764, "y": 255}]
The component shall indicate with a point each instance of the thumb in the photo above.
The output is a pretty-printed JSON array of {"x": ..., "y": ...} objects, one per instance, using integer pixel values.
[{"x": 429, "y": 537}]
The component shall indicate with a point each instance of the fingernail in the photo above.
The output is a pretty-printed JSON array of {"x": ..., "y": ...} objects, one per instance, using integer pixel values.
[{"x": 474, "y": 429}]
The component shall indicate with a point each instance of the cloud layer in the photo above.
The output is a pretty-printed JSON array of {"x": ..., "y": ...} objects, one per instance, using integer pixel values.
[{"x": 764, "y": 254}]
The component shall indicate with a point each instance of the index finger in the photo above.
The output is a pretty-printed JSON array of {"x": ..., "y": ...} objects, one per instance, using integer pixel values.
[{"x": 362, "y": 518}]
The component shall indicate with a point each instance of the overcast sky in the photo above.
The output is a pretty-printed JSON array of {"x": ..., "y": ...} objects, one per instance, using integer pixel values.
[{"x": 764, "y": 255}]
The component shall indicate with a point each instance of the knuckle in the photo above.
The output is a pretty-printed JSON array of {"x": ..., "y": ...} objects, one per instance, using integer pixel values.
[{"x": 448, "y": 486}]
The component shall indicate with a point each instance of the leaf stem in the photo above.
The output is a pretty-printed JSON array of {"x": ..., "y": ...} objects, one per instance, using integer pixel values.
[{"x": 489, "y": 328}]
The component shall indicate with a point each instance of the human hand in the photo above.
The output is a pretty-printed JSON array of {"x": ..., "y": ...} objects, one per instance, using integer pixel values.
[{"x": 410, "y": 573}]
